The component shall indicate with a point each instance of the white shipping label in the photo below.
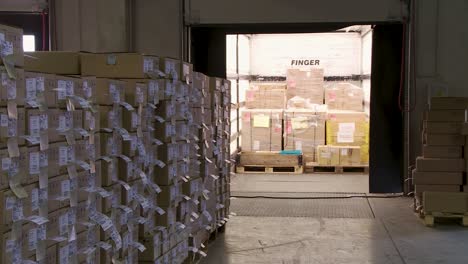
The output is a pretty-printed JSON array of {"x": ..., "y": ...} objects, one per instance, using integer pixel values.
[
  {"x": 30, "y": 88},
  {"x": 18, "y": 211},
  {"x": 87, "y": 89},
  {"x": 114, "y": 92},
  {"x": 63, "y": 155},
  {"x": 4, "y": 120},
  {"x": 10, "y": 202},
  {"x": 43, "y": 122},
  {"x": 298, "y": 145},
  {"x": 62, "y": 89},
  {"x": 6, "y": 163},
  {"x": 35, "y": 199},
  {"x": 134, "y": 120},
  {"x": 43, "y": 159},
  {"x": 34, "y": 126},
  {"x": 34, "y": 163},
  {"x": 64, "y": 255},
  {"x": 65, "y": 188},
  {"x": 11, "y": 90},
  {"x": 63, "y": 224},
  {"x": 32, "y": 239},
  {"x": 345, "y": 137},
  {"x": 344, "y": 152},
  {"x": 12, "y": 127},
  {"x": 40, "y": 87},
  {"x": 148, "y": 65},
  {"x": 139, "y": 95},
  {"x": 347, "y": 127}
]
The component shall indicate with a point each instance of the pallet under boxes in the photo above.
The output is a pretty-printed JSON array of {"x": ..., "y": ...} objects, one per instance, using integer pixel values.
[{"x": 269, "y": 162}]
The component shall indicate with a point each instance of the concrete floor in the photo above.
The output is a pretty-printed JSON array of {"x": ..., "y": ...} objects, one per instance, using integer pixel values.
[
  {"x": 395, "y": 235},
  {"x": 353, "y": 183}
]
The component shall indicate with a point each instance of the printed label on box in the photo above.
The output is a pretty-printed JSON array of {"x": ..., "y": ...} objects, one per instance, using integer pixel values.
[
  {"x": 261, "y": 121},
  {"x": 347, "y": 127},
  {"x": 345, "y": 137}
]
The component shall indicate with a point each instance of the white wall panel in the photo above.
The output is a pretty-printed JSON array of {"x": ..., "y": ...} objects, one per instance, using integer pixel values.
[
  {"x": 231, "y": 53},
  {"x": 339, "y": 53},
  {"x": 244, "y": 55}
]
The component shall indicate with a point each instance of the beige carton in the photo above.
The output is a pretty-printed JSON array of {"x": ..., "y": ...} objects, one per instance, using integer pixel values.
[
  {"x": 444, "y": 140},
  {"x": 350, "y": 155},
  {"x": 446, "y": 116},
  {"x": 453, "y": 152},
  {"x": 136, "y": 92},
  {"x": 12, "y": 128},
  {"x": 304, "y": 130},
  {"x": 344, "y": 96},
  {"x": 328, "y": 155},
  {"x": 109, "y": 91},
  {"x": 438, "y": 164},
  {"x": 266, "y": 96},
  {"x": 449, "y": 103},
  {"x": 306, "y": 84},
  {"x": 442, "y": 127},
  {"x": 437, "y": 178},
  {"x": 261, "y": 130},
  {"x": 119, "y": 65},
  {"x": 12, "y": 88},
  {"x": 445, "y": 202},
  {"x": 55, "y": 62}
]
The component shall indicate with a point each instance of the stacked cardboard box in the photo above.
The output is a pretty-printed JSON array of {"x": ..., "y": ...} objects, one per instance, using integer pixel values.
[
  {"x": 346, "y": 128},
  {"x": 98, "y": 160},
  {"x": 304, "y": 130},
  {"x": 440, "y": 170},
  {"x": 262, "y": 130},
  {"x": 338, "y": 155},
  {"x": 344, "y": 96},
  {"x": 307, "y": 84},
  {"x": 266, "y": 96}
]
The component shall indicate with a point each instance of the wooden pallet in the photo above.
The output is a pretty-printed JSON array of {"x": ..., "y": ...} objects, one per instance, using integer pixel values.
[
  {"x": 269, "y": 169},
  {"x": 268, "y": 162},
  {"x": 338, "y": 169},
  {"x": 429, "y": 218}
]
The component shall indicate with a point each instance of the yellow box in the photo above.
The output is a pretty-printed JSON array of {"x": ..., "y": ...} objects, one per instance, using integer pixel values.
[{"x": 328, "y": 155}]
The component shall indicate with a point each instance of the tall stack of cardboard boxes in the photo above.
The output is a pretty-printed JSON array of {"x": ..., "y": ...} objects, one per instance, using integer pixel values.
[
  {"x": 440, "y": 172},
  {"x": 102, "y": 157},
  {"x": 294, "y": 117}
]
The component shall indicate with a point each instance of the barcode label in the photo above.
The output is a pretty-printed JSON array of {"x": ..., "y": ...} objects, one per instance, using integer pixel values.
[
  {"x": 34, "y": 163},
  {"x": 34, "y": 126},
  {"x": 4, "y": 121},
  {"x": 63, "y": 155}
]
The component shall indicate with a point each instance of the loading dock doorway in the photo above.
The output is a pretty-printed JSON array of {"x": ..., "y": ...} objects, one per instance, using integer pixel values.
[{"x": 208, "y": 53}]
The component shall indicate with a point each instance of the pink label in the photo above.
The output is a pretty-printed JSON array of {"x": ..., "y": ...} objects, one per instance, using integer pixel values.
[
  {"x": 332, "y": 116},
  {"x": 250, "y": 96},
  {"x": 292, "y": 84},
  {"x": 277, "y": 129},
  {"x": 246, "y": 117},
  {"x": 289, "y": 127},
  {"x": 331, "y": 96}
]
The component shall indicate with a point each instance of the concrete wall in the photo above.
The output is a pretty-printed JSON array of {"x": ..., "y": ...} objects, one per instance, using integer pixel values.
[
  {"x": 298, "y": 11},
  {"x": 157, "y": 25}
]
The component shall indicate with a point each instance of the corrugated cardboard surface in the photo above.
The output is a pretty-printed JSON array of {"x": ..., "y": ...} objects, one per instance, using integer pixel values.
[
  {"x": 445, "y": 202},
  {"x": 344, "y": 96},
  {"x": 442, "y": 178},
  {"x": 438, "y": 164},
  {"x": 453, "y": 152},
  {"x": 10, "y": 86},
  {"x": 442, "y": 127},
  {"x": 305, "y": 84},
  {"x": 266, "y": 96},
  {"x": 346, "y": 128},
  {"x": 446, "y": 115},
  {"x": 261, "y": 130},
  {"x": 304, "y": 129},
  {"x": 449, "y": 103},
  {"x": 444, "y": 140},
  {"x": 328, "y": 155},
  {"x": 118, "y": 65},
  {"x": 56, "y": 62}
]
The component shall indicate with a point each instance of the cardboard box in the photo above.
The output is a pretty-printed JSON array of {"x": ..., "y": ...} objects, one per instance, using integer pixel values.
[
  {"x": 59, "y": 192},
  {"x": 166, "y": 175},
  {"x": 170, "y": 195},
  {"x": 113, "y": 200},
  {"x": 66, "y": 86},
  {"x": 136, "y": 92},
  {"x": 328, "y": 155},
  {"x": 12, "y": 88},
  {"x": 437, "y": 178},
  {"x": 11, "y": 39},
  {"x": 165, "y": 131},
  {"x": 110, "y": 117},
  {"x": 465, "y": 188},
  {"x": 446, "y": 116},
  {"x": 55, "y": 62},
  {"x": 307, "y": 84},
  {"x": 453, "y": 152},
  {"x": 444, "y": 140},
  {"x": 109, "y": 91},
  {"x": 186, "y": 72},
  {"x": 171, "y": 68},
  {"x": 449, "y": 103},
  {"x": 41, "y": 88},
  {"x": 262, "y": 130},
  {"x": 119, "y": 65},
  {"x": 61, "y": 122},
  {"x": 419, "y": 189},
  {"x": 445, "y": 202},
  {"x": 91, "y": 121},
  {"x": 350, "y": 155},
  {"x": 168, "y": 219},
  {"x": 442, "y": 127},
  {"x": 12, "y": 207},
  {"x": 266, "y": 96},
  {"x": 438, "y": 164},
  {"x": 344, "y": 96},
  {"x": 304, "y": 129},
  {"x": 153, "y": 245},
  {"x": 12, "y": 128}
]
